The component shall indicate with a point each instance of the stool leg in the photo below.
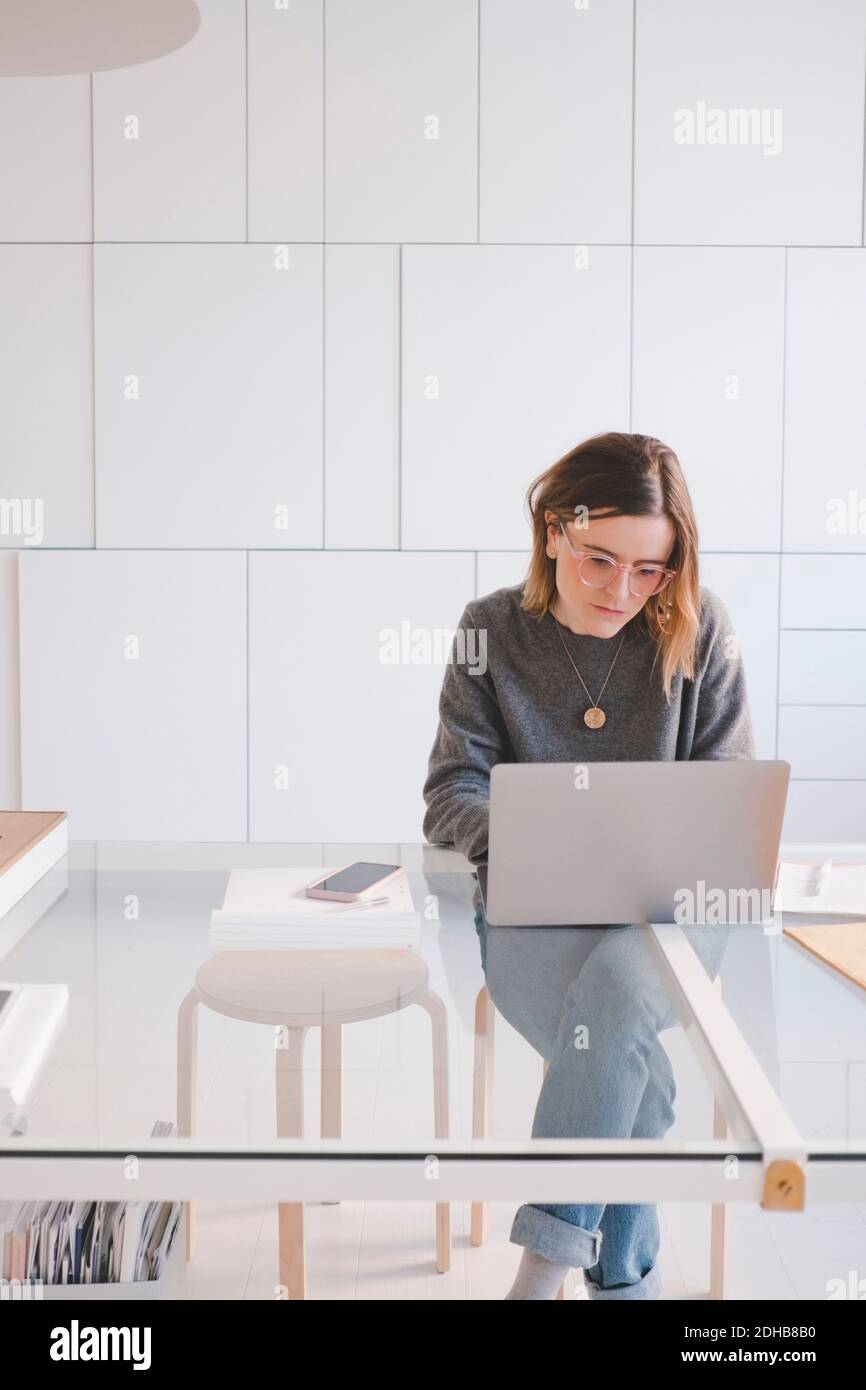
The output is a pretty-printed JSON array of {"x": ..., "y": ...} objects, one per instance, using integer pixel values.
[
  {"x": 482, "y": 1096},
  {"x": 187, "y": 1050},
  {"x": 560, "y": 1293},
  {"x": 439, "y": 1019},
  {"x": 332, "y": 1085},
  {"x": 290, "y": 1125},
  {"x": 718, "y": 1218}
]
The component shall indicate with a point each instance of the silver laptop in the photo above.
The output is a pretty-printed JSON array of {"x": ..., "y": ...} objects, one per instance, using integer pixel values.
[{"x": 615, "y": 843}]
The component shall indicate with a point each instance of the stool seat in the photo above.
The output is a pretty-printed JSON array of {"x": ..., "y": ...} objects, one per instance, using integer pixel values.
[{"x": 302, "y": 988}]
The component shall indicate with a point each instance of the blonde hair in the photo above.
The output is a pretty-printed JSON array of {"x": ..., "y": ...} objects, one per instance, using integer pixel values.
[{"x": 624, "y": 475}]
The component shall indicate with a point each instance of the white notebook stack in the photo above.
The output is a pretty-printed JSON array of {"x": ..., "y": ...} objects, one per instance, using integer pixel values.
[
  {"x": 828, "y": 888},
  {"x": 268, "y": 909}
]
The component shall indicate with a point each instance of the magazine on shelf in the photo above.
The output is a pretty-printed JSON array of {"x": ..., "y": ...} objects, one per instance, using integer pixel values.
[{"x": 87, "y": 1241}]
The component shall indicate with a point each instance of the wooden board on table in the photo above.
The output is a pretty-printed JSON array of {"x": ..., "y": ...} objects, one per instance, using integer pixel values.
[
  {"x": 841, "y": 945},
  {"x": 21, "y": 830}
]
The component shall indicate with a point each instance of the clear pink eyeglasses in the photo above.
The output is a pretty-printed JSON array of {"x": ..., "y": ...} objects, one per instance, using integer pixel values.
[{"x": 598, "y": 571}]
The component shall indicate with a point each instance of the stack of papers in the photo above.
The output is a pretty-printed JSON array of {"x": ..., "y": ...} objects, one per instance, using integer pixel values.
[
  {"x": 268, "y": 909},
  {"x": 87, "y": 1242},
  {"x": 833, "y": 889}
]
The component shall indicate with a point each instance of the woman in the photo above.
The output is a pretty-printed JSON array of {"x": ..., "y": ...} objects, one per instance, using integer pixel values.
[{"x": 611, "y": 650}]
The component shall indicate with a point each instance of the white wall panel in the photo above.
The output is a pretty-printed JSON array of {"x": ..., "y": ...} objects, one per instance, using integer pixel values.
[
  {"x": 748, "y": 585},
  {"x": 707, "y": 374},
  {"x": 776, "y": 56},
  {"x": 285, "y": 68},
  {"x": 366, "y": 421},
  {"x": 500, "y": 570},
  {"x": 825, "y": 404},
  {"x": 133, "y": 693},
  {"x": 825, "y": 668},
  {"x": 169, "y": 139},
  {"x": 823, "y": 744},
  {"x": 351, "y": 731},
  {"x": 511, "y": 355},
  {"x": 824, "y": 591},
  {"x": 398, "y": 73},
  {"x": 362, "y": 397},
  {"x": 555, "y": 131},
  {"x": 46, "y": 395},
  {"x": 227, "y": 348},
  {"x": 821, "y": 812},
  {"x": 45, "y": 159}
]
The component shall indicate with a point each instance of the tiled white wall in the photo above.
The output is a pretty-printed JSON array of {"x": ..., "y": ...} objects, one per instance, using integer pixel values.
[
  {"x": 799, "y": 185},
  {"x": 342, "y": 703},
  {"x": 209, "y": 395},
  {"x": 707, "y": 364},
  {"x": 555, "y": 130},
  {"x": 292, "y": 317},
  {"x": 46, "y": 369},
  {"x": 183, "y": 175},
  {"x": 133, "y": 691},
  {"x": 510, "y": 355}
]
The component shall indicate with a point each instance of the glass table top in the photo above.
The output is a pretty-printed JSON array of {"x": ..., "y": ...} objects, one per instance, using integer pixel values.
[{"x": 581, "y": 1034}]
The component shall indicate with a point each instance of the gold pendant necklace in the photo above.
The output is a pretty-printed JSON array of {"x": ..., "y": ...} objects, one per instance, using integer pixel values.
[{"x": 594, "y": 716}]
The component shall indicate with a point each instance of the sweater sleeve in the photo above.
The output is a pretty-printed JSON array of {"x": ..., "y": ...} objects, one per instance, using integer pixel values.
[
  {"x": 470, "y": 740},
  {"x": 723, "y": 723}
]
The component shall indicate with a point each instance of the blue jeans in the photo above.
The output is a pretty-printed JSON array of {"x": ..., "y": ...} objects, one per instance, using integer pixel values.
[{"x": 551, "y": 984}]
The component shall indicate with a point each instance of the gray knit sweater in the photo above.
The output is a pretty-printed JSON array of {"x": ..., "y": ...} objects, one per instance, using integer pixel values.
[{"x": 528, "y": 706}]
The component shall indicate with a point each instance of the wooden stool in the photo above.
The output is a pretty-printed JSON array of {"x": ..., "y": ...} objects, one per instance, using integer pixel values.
[
  {"x": 482, "y": 1112},
  {"x": 296, "y": 990}
]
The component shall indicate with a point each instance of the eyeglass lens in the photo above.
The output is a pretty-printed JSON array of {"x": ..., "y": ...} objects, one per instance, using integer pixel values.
[{"x": 598, "y": 572}]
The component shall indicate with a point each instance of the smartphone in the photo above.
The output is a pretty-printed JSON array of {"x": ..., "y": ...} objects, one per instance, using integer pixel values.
[{"x": 348, "y": 884}]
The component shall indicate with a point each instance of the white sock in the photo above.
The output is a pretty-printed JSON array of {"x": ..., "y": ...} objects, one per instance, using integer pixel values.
[{"x": 537, "y": 1277}]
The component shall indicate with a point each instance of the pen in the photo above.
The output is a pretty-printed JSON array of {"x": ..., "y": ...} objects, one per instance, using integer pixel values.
[{"x": 822, "y": 878}]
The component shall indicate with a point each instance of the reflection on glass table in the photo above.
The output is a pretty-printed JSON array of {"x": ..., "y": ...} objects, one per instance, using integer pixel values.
[{"x": 632, "y": 1064}]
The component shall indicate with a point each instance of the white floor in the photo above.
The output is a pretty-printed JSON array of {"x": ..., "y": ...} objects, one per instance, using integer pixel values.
[{"x": 384, "y": 1251}]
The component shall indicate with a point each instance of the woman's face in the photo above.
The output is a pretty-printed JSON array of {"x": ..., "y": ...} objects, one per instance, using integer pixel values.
[{"x": 630, "y": 539}]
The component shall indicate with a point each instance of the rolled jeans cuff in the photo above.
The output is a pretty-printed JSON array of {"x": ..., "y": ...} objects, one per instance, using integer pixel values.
[
  {"x": 555, "y": 1239},
  {"x": 650, "y": 1286}
]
